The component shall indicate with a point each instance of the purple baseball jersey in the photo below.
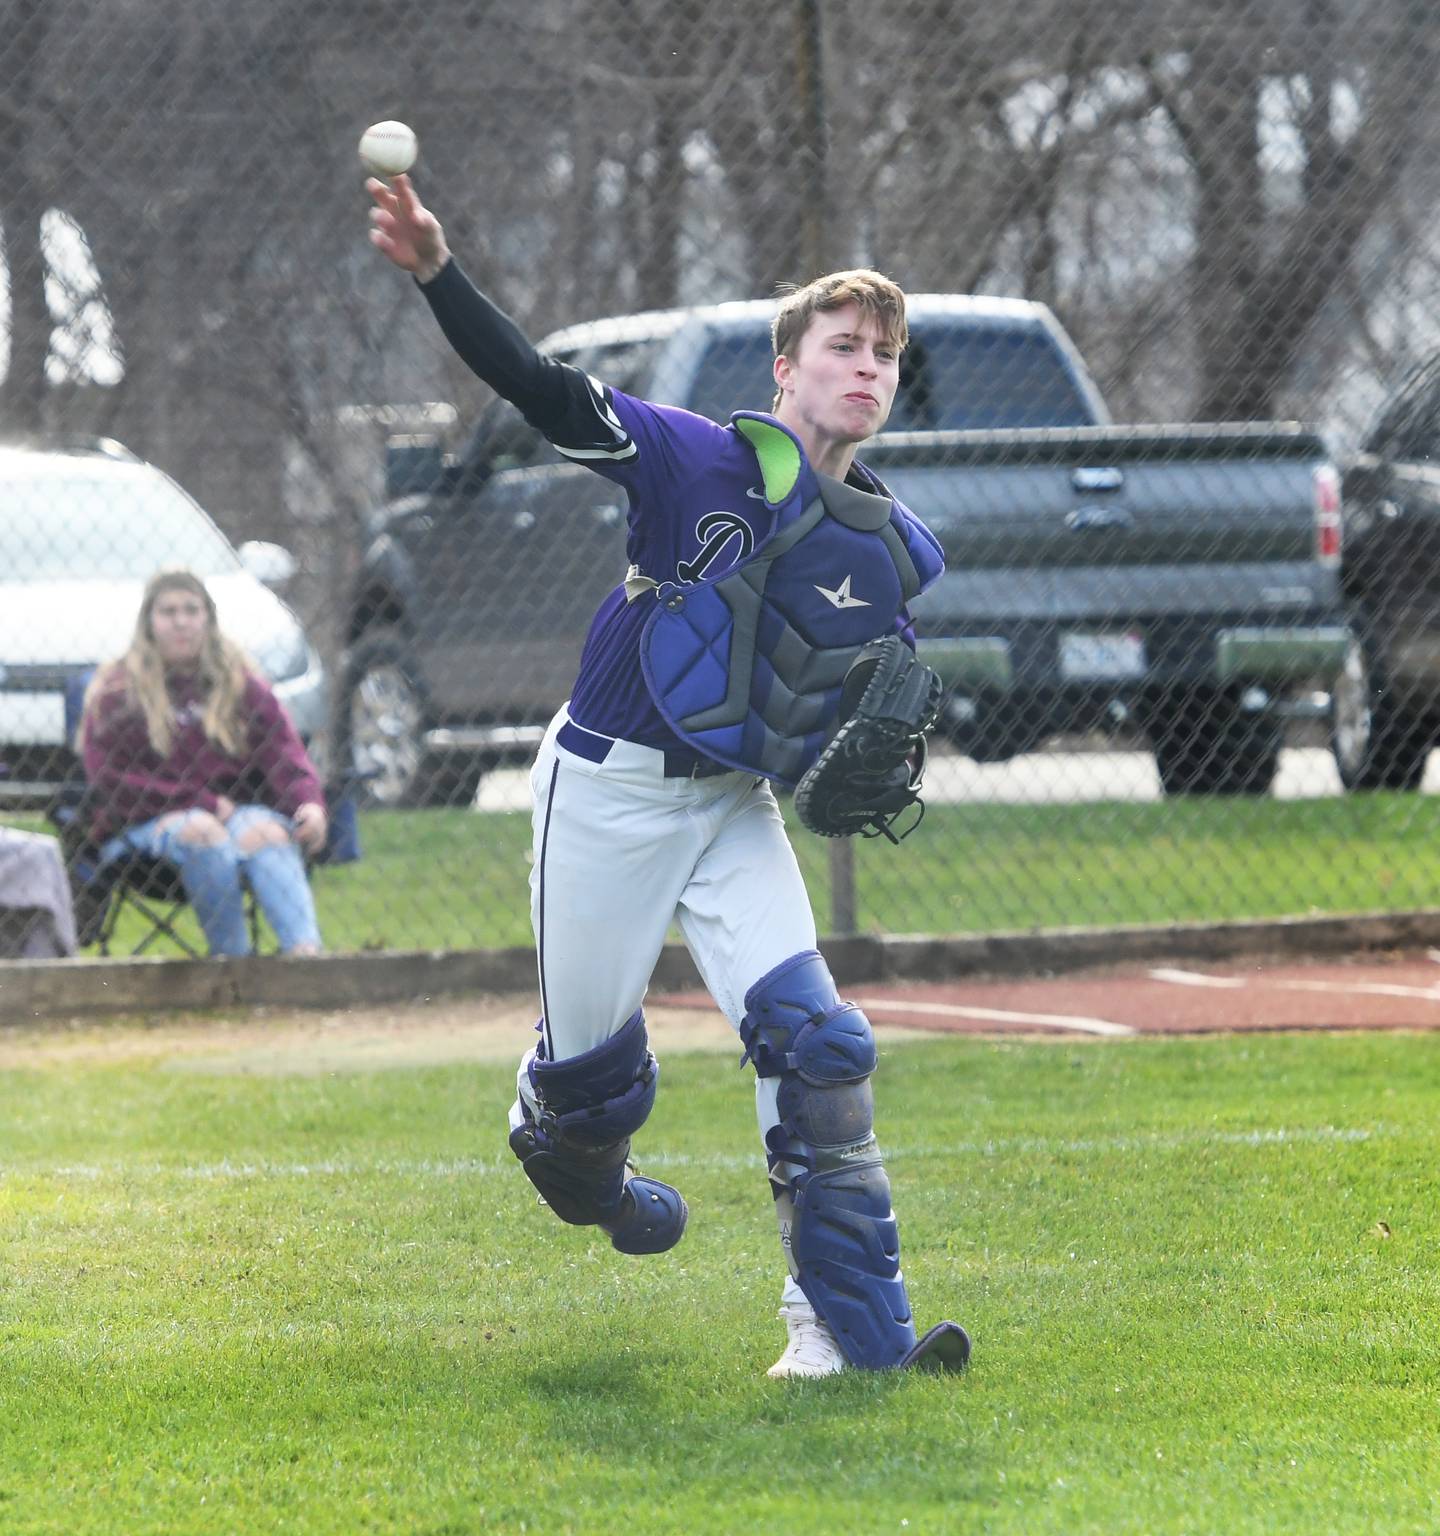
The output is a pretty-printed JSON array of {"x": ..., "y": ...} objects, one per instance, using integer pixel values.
[
  {"x": 696, "y": 500},
  {"x": 697, "y": 507}
]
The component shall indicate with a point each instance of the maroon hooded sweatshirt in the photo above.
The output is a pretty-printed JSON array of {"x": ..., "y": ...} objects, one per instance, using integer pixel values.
[{"x": 132, "y": 783}]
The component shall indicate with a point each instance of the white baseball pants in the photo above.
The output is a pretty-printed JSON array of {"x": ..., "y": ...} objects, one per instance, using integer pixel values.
[{"x": 621, "y": 852}]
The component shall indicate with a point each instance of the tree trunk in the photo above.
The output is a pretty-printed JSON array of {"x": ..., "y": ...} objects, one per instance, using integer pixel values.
[
  {"x": 1254, "y": 311},
  {"x": 23, "y": 392}
]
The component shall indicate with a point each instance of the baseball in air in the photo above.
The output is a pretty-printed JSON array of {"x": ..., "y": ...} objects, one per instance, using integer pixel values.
[{"x": 388, "y": 149}]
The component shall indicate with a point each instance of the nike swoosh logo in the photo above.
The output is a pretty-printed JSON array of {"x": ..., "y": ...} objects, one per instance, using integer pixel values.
[
  {"x": 755, "y": 495},
  {"x": 841, "y": 597}
]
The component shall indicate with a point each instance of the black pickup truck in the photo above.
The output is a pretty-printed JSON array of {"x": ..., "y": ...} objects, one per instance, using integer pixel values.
[
  {"x": 1387, "y": 701},
  {"x": 1180, "y": 578}
]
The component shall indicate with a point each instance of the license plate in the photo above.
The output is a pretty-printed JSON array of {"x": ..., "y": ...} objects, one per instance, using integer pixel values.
[{"x": 1102, "y": 658}]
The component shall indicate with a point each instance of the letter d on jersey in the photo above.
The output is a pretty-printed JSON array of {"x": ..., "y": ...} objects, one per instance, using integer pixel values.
[{"x": 715, "y": 531}]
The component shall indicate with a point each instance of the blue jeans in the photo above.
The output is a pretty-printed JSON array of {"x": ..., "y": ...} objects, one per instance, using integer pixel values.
[{"x": 213, "y": 875}]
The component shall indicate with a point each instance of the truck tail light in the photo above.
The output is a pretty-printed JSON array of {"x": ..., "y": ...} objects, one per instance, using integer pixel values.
[{"x": 1327, "y": 515}]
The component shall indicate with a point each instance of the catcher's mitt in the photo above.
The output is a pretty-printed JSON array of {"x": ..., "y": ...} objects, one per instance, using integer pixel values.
[{"x": 871, "y": 768}]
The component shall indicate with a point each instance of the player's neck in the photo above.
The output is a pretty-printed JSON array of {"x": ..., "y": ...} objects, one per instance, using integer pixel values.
[
  {"x": 833, "y": 459},
  {"x": 828, "y": 455}
]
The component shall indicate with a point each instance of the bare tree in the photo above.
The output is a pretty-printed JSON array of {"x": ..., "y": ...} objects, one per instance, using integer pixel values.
[
  {"x": 22, "y": 203},
  {"x": 1110, "y": 159},
  {"x": 1262, "y": 277}
]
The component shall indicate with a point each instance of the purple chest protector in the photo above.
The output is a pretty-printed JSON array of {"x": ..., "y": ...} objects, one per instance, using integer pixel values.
[{"x": 747, "y": 667}]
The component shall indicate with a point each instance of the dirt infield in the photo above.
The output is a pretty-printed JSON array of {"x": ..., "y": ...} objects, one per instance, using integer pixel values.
[
  {"x": 1394, "y": 991},
  {"x": 1399, "y": 991},
  {"x": 287, "y": 1042}
]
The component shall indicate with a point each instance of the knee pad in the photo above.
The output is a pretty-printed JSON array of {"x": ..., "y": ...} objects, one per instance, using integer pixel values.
[
  {"x": 829, "y": 1181},
  {"x": 602, "y": 1096},
  {"x": 575, "y": 1147}
]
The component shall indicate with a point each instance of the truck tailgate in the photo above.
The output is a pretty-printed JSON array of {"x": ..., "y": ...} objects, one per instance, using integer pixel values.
[{"x": 1115, "y": 521}]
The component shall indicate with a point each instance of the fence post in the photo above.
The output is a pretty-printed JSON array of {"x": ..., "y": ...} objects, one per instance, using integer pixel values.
[
  {"x": 810, "y": 76},
  {"x": 842, "y": 887},
  {"x": 814, "y": 139}
]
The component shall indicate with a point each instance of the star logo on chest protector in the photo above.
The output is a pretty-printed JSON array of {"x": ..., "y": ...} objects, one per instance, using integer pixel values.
[{"x": 840, "y": 597}]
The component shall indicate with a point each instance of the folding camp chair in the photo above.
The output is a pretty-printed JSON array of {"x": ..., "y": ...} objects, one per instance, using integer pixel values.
[{"x": 103, "y": 889}]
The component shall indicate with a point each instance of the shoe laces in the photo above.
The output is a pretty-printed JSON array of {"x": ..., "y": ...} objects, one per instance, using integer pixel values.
[{"x": 809, "y": 1334}]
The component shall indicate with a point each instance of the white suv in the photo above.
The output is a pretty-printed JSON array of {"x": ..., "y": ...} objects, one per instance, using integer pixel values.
[{"x": 82, "y": 529}]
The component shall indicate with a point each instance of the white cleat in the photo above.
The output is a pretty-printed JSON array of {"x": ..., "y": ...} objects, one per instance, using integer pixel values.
[{"x": 812, "y": 1350}]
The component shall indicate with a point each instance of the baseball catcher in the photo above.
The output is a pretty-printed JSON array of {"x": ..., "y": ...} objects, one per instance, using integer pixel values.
[
  {"x": 767, "y": 597},
  {"x": 870, "y": 771}
]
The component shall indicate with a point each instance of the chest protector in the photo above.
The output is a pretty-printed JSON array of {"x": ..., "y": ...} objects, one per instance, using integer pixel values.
[{"x": 747, "y": 667}]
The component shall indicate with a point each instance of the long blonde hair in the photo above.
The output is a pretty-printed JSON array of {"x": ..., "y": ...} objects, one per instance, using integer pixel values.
[{"x": 223, "y": 670}]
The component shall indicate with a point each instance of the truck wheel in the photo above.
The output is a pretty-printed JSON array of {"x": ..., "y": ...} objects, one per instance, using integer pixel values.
[
  {"x": 1208, "y": 745},
  {"x": 984, "y": 731},
  {"x": 1379, "y": 741},
  {"x": 381, "y": 731}
]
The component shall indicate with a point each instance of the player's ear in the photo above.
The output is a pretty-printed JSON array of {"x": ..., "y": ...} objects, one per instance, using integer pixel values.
[{"x": 783, "y": 371}]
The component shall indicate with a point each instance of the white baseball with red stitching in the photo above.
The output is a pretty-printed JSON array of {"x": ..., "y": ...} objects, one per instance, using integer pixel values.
[{"x": 388, "y": 149}]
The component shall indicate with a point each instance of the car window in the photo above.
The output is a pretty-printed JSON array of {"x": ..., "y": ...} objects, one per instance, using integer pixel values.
[
  {"x": 952, "y": 378},
  {"x": 121, "y": 526},
  {"x": 1422, "y": 443},
  {"x": 503, "y": 439},
  {"x": 1417, "y": 437},
  {"x": 979, "y": 378},
  {"x": 624, "y": 365},
  {"x": 734, "y": 375},
  {"x": 1407, "y": 427}
]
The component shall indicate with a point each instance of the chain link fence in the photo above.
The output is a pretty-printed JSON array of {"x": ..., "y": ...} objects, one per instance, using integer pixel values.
[{"x": 1168, "y": 406}]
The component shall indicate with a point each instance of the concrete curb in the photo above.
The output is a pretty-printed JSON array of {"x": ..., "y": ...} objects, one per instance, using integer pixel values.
[{"x": 32, "y": 989}]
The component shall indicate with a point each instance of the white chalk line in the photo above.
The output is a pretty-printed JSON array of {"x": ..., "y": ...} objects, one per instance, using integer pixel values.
[
  {"x": 1430, "y": 994},
  {"x": 1086, "y": 1026},
  {"x": 487, "y": 1168},
  {"x": 1197, "y": 979},
  {"x": 1363, "y": 989},
  {"x": 1052, "y": 1146}
]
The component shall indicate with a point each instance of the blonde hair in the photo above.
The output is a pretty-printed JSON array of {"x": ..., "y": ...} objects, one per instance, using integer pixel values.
[
  {"x": 223, "y": 670},
  {"x": 879, "y": 300}
]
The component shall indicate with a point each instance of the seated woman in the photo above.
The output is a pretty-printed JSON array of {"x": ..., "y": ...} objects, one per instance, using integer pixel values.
[{"x": 190, "y": 757}]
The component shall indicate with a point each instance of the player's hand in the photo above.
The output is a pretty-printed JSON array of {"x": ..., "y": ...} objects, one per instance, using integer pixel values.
[
  {"x": 311, "y": 825},
  {"x": 404, "y": 229}
]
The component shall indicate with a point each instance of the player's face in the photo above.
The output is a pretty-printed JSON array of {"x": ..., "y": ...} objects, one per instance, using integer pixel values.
[
  {"x": 178, "y": 622},
  {"x": 841, "y": 381}
]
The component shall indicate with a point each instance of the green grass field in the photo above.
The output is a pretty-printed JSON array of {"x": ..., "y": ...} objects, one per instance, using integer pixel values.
[
  {"x": 1203, "y": 1279},
  {"x": 453, "y": 879}
]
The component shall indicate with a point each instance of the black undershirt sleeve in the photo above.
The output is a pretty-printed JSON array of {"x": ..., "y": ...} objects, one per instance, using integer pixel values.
[{"x": 554, "y": 398}]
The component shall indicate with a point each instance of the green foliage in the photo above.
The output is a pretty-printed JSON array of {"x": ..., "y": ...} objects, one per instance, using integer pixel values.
[{"x": 1201, "y": 1276}]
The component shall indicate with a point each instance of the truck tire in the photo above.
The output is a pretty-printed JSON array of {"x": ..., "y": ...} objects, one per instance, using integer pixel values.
[
  {"x": 1378, "y": 738},
  {"x": 381, "y": 727},
  {"x": 1205, "y": 744},
  {"x": 985, "y": 730}
]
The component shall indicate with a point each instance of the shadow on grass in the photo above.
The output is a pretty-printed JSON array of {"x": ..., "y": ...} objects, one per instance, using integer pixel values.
[{"x": 611, "y": 1376}]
